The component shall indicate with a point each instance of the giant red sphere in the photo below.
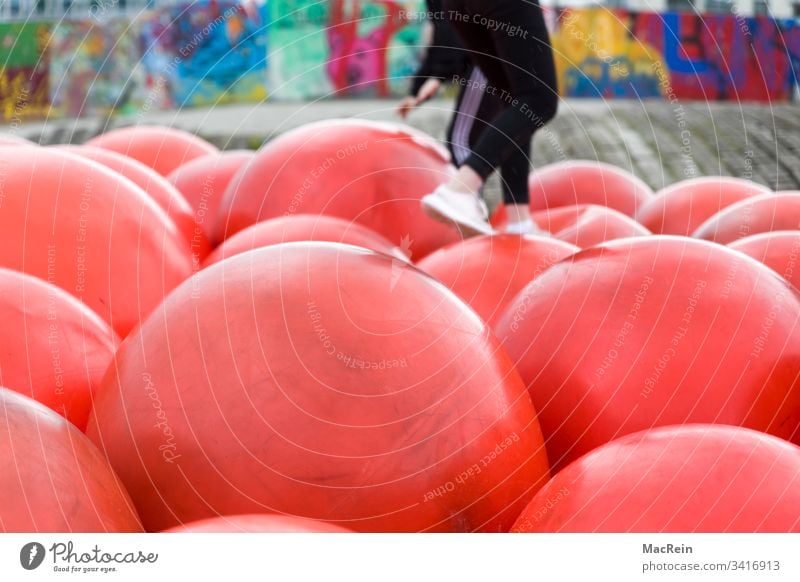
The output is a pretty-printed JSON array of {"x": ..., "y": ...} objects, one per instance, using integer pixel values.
[
  {"x": 587, "y": 225},
  {"x": 157, "y": 187},
  {"x": 323, "y": 381},
  {"x": 765, "y": 213},
  {"x": 257, "y": 523},
  {"x": 203, "y": 182},
  {"x": 488, "y": 271},
  {"x": 582, "y": 225},
  {"x": 368, "y": 172},
  {"x": 682, "y": 207},
  {"x": 661, "y": 330},
  {"x": 693, "y": 478},
  {"x": 160, "y": 148},
  {"x": 53, "y": 348},
  {"x": 778, "y": 250},
  {"x": 90, "y": 231},
  {"x": 54, "y": 479},
  {"x": 304, "y": 227},
  {"x": 587, "y": 182}
]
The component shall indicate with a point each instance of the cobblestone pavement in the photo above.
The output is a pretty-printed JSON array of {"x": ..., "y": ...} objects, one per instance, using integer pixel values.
[{"x": 659, "y": 141}]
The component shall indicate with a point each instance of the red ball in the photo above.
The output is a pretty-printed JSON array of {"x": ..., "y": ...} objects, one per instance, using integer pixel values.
[
  {"x": 157, "y": 187},
  {"x": 323, "y": 381},
  {"x": 55, "y": 349},
  {"x": 161, "y": 148},
  {"x": 203, "y": 182},
  {"x": 652, "y": 331},
  {"x": 255, "y": 523},
  {"x": 695, "y": 478},
  {"x": 88, "y": 230},
  {"x": 682, "y": 207},
  {"x": 587, "y": 225},
  {"x": 54, "y": 479},
  {"x": 765, "y": 213},
  {"x": 778, "y": 250},
  {"x": 488, "y": 271},
  {"x": 304, "y": 227},
  {"x": 363, "y": 171},
  {"x": 587, "y": 182}
]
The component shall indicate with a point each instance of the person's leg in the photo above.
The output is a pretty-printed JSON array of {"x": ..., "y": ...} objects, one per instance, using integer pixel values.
[
  {"x": 463, "y": 207},
  {"x": 510, "y": 43},
  {"x": 455, "y": 154},
  {"x": 514, "y": 176},
  {"x": 468, "y": 116}
]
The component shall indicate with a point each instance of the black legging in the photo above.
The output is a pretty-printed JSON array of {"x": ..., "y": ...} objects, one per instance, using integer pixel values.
[
  {"x": 509, "y": 41},
  {"x": 474, "y": 112}
]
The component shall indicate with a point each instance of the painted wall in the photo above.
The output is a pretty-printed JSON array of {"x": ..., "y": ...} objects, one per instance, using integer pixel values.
[
  {"x": 24, "y": 70},
  {"x": 213, "y": 51},
  {"x": 94, "y": 68},
  {"x": 202, "y": 53},
  {"x": 604, "y": 53},
  {"x": 342, "y": 47}
]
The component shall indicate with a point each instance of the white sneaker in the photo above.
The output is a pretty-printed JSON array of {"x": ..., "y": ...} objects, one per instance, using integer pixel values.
[{"x": 467, "y": 212}]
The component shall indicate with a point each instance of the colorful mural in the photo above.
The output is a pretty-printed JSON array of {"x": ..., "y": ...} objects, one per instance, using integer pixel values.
[
  {"x": 604, "y": 53},
  {"x": 342, "y": 47},
  {"x": 205, "y": 52},
  {"x": 94, "y": 68},
  {"x": 214, "y": 51},
  {"x": 24, "y": 70}
]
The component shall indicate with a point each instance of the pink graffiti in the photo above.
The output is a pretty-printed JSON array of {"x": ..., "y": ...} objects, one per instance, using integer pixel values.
[{"x": 359, "y": 63}]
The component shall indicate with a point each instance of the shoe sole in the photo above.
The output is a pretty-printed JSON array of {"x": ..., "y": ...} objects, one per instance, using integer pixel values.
[{"x": 440, "y": 214}]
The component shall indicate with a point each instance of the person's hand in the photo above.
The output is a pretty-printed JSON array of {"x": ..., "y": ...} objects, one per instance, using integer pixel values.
[
  {"x": 428, "y": 90},
  {"x": 406, "y": 105}
]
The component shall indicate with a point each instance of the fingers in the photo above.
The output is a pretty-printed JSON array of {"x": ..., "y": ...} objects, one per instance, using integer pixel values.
[{"x": 406, "y": 105}]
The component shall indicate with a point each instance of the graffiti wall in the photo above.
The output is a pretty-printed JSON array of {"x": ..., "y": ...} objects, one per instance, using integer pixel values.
[
  {"x": 94, "y": 68},
  {"x": 24, "y": 70},
  {"x": 205, "y": 52},
  {"x": 603, "y": 53},
  {"x": 342, "y": 47}
]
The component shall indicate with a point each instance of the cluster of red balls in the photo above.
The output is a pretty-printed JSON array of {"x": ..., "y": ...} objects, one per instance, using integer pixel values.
[{"x": 197, "y": 340}]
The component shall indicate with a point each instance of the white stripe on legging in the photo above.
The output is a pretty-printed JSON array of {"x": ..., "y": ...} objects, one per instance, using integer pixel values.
[{"x": 465, "y": 115}]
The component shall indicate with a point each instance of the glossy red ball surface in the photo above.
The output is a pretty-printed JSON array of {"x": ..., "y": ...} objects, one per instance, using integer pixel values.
[
  {"x": 323, "y": 381},
  {"x": 157, "y": 187},
  {"x": 160, "y": 148},
  {"x": 53, "y": 348},
  {"x": 682, "y": 207},
  {"x": 653, "y": 331},
  {"x": 587, "y": 225},
  {"x": 488, "y": 271},
  {"x": 203, "y": 182},
  {"x": 54, "y": 479},
  {"x": 90, "y": 231},
  {"x": 693, "y": 478},
  {"x": 587, "y": 182},
  {"x": 765, "y": 213},
  {"x": 778, "y": 250},
  {"x": 300, "y": 228},
  {"x": 368, "y": 172}
]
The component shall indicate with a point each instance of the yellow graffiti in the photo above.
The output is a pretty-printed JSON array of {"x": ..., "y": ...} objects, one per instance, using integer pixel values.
[
  {"x": 596, "y": 41},
  {"x": 17, "y": 101}
]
